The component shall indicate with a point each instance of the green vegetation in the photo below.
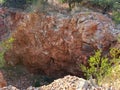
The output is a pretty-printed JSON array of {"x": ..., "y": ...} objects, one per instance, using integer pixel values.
[
  {"x": 5, "y": 45},
  {"x": 106, "y": 6},
  {"x": 113, "y": 78},
  {"x": 114, "y": 52},
  {"x": 2, "y": 1},
  {"x": 116, "y": 17},
  {"x": 100, "y": 66},
  {"x": 2, "y": 62},
  {"x": 118, "y": 38}
]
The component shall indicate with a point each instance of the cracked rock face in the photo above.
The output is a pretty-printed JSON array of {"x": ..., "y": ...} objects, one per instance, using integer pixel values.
[{"x": 55, "y": 45}]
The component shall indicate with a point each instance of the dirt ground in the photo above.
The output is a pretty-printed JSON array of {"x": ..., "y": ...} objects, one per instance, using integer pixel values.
[{"x": 19, "y": 77}]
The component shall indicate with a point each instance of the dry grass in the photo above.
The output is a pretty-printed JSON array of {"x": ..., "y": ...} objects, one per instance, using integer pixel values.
[{"x": 113, "y": 78}]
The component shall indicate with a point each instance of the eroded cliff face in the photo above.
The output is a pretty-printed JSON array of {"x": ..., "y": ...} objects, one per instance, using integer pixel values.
[{"x": 56, "y": 45}]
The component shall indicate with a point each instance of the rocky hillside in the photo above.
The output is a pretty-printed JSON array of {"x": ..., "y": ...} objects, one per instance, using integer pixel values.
[
  {"x": 55, "y": 43},
  {"x": 70, "y": 83}
]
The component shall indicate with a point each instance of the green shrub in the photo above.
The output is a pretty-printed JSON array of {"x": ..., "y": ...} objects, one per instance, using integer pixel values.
[
  {"x": 113, "y": 77},
  {"x": 115, "y": 56},
  {"x": 116, "y": 17},
  {"x": 2, "y": 62},
  {"x": 2, "y": 1},
  {"x": 5, "y": 45},
  {"x": 109, "y": 6},
  {"x": 62, "y": 1},
  {"x": 115, "y": 52},
  {"x": 98, "y": 67},
  {"x": 118, "y": 38}
]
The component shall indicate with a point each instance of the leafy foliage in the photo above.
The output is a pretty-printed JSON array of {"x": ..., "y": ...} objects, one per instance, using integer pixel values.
[
  {"x": 2, "y": 59},
  {"x": 5, "y": 45},
  {"x": 115, "y": 70},
  {"x": 2, "y": 1},
  {"x": 105, "y": 5},
  {"x": 115, "y": 53},
  {"x": 116, "y": 16},
  {"x": 108, "y": 6},
  {"x": 100, "y": 66}
]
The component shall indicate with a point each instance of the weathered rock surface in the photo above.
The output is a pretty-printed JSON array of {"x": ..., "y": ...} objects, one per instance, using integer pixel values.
[
  {"x": 55, "y": 45},
  {"x": 71, "y": 83},
  {"x": 2, "y": 80},
  {"x": 9, "y": 88},
  {"x": 68, "y": 83},
  {"x": 4, "y": 26}
]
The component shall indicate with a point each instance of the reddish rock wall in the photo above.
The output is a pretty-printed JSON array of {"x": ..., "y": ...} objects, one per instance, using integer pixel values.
[{"x": 56, "y": 44}]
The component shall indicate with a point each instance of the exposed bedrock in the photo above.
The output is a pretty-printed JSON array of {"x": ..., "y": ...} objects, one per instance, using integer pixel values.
[{"x": 56, "y": 45}]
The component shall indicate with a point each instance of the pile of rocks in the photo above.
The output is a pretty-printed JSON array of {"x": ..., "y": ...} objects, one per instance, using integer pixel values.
[
  {"x": 66, "y": 83},
  {"x": 70, "y": 83},
  {"x": 9, "y": 88}
]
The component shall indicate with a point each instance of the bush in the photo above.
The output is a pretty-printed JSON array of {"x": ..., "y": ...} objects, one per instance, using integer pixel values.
[
  {"x": 115, "y": 56},
  {"x": 105, "y": 5},
  {"x": 113, "y": 78},
  {"x": 115, "y": 52},
  {"x": 2, "y": 62},
  {"x": 20, "y": 4},
  {"x": 98, "y": 67},
  {"x": 62, "y": 1},
  {"x": 116, "y": 17},
  {"x": 1, "y": 1},
  {"x": 108, "y": 6},
  {"x": 5, "y": 45}
]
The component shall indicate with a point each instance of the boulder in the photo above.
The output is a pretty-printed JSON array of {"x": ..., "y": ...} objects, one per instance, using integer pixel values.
[
  {"x": 56, "y": 44},
  {"x": 2, "y": 80}
]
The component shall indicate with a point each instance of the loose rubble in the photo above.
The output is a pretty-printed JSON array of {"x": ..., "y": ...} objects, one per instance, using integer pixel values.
[{"x": 66, "y": 83}]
